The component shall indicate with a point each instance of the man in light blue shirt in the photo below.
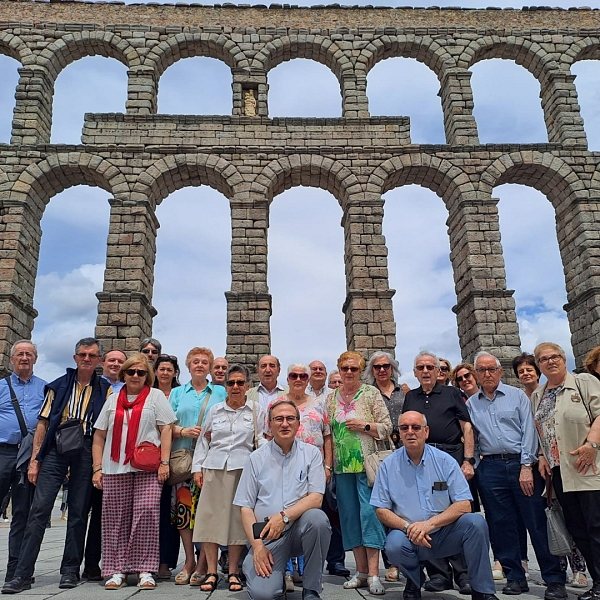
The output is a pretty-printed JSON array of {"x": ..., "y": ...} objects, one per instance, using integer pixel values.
[
  {"x": 421, "y": 495},
  {"x": 507, "y": 480}
]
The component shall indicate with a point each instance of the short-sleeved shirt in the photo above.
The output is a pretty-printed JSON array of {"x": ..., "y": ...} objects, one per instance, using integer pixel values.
[
  {"x": 273, "y": 481},
  {"x": 30, "y": 395},
  {"x": 407, "y": 489},
  {"x": 156, "y": 411},
  {"x": 444, "y": 408}
]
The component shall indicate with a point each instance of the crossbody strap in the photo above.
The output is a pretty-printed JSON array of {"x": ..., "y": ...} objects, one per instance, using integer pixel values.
[
  {"x": 587, "y": 408},
  {"x": 254, "y": 419},
  {"x": 17, "y": 408},
  {"x": 201, "y": 415}
]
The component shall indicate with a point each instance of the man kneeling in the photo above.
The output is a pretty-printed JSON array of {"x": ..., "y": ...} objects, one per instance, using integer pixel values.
[{"x": 421, "y": 495}]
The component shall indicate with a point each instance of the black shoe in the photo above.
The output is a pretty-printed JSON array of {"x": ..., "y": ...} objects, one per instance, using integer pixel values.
[
  {"x": 437, "y": 584},
  {"x": 592, "y": 594},
  {"x": 338, "y": 569},
  {"x": 92, "y": 573},
  {"x": 482, "y": 596},
  {"x": 68, "y": 581},
  {"x": 555, "y": 591},
  {"x": 514, "y": 588},
  {"x": 411, "y": 591},
  {"x": 464, "y": 588},
  {"x": 310, "y": 595},
  {"x": 16, "y": 586}
]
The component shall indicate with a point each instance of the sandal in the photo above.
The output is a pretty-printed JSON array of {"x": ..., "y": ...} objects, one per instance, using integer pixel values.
[
  {"x": 235, "y": 582},
  {"x": 197, "y": 579},
  {"x": 146, "y": 581},
  {"x": 392, "y": 574},
  {"x": 211, "y": 582},
  {"x": 579, "y": 580},
  {"x": 375, "y": 586},
  {"x": 357, "y": 580},
  {"x": 182, "y": 578},
  {"x": 116, "y": 582}
]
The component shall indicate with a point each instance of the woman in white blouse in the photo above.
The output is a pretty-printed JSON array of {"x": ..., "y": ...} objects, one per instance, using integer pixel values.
[{"x": 235, "y": 428}]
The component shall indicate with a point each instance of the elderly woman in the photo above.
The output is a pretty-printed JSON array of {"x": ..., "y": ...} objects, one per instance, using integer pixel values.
[
  {"x": 130, "y": 504},
  {"x": 463, "y": 377},
  {"x": 567, "y": 415},
  {"x": 358, "y": 417},
  {"x": 235, "y": 428},
  {"x": 191, "y": 403}
]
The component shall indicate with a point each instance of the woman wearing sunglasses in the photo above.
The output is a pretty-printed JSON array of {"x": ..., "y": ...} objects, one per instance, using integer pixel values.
[
  {"x": 463, "y": 377},
  {"x": 130, "y": 504},
  {"x": 358, "y": 417}
]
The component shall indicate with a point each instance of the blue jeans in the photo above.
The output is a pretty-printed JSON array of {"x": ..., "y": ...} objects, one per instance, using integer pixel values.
[
  {"x": 503, "y": 499},
  {"x": 53, "y": 470}
]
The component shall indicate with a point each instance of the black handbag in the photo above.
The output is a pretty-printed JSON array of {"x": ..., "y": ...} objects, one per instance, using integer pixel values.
[{"x": 69, "y": 437}]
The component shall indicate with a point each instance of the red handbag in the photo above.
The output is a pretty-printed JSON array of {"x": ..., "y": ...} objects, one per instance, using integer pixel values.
[{"x": 146, "y": 457}]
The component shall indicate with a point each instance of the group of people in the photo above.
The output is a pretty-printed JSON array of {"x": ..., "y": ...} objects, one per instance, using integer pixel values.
[{"x": 279, "y": 472}]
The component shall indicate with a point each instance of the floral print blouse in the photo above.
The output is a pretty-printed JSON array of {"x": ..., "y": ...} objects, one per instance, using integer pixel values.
[
  {"x": 546, "y": 425},
  {"x": 351, "y": 447}
]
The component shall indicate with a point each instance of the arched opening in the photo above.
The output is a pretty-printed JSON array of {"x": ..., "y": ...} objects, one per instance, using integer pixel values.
[
  {"x": 507, "y": 103},
  {"x": 306, "y": 277},
  {"x": 98, "y": 84},
  {"x": 588, "y": 96},
  {"x": 70, "y": 272},
  {"x": 192, "y": 272},
  {"x": 303, "y": 88},
  {"x": 534, "y": 266},
  {"x": 406, "y": 87},
  {"x": 420, "y": 271},
  {"x": 9, "y": 75},
  {"x": 196, "y": 86}
]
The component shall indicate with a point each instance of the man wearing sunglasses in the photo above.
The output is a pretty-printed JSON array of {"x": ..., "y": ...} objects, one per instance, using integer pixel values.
[
  {"x": 421, "y": 495},
  {"x": 449, "y": 424}
]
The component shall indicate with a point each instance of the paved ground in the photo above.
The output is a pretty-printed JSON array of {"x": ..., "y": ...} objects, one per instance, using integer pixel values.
[{"x": 47, "y": 578}]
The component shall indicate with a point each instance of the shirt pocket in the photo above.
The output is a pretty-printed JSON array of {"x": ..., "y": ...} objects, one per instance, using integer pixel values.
[
  {"x": 440, "y": 501},
  {"x": 506, "y": 416},
  {"x": 220, "y": 423}
]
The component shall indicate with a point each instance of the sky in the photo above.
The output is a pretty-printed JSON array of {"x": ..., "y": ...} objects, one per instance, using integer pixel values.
[{"x": 305, "y": 239}]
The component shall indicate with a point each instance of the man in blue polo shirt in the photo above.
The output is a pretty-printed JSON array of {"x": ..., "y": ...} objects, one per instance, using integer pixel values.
[{"x": 421, "y": 495}]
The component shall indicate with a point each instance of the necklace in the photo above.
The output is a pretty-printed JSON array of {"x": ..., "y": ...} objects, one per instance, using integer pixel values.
[
  {"x": 233, "y": 421},
  {"x": 348, "y": 395}
]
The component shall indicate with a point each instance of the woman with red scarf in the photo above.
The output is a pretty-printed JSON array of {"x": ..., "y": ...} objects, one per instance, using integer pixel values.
[{"x": 131, "y": 501}]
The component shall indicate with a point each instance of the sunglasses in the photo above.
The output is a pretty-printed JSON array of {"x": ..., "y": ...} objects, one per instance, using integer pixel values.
[
  {"x": 148, "y": 351},
  {"x": 138, "y": 372},
  {"x": 300, "y": 376},
  {"x": 235, "y": 382},
  {"x": 444, "y": 368},
  {"x": 384, "y": 367},
  {"x": 413, "y": 427},
  {"x": 425, "y": 367},
  {"x": 490, "y": 370},
  {"x": 162, "y": 355},
  {"x": 351, "y": 369},
  {"x": 90, "y": 355},
  {"x": 465, "y": 377}
]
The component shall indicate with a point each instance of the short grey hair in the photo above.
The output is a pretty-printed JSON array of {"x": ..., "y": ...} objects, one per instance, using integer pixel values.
[
  {"x": 89, "y": 341},
  {"x": 427, "y": 353},
  {"x": 237, "y": 368},
  {"x": 482, "y": 354},
  {"x": 153, "y": 341},
  {"x": 368, "y": 374},
  {"x": 299, "y": 365},
  {"x": 331, "y": 374},
  {"x": 13, "y": 348}
]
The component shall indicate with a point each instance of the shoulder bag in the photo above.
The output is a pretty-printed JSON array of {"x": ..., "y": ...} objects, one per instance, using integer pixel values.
[
  {"x": 26, "y": 444},
  {"x": 559, "y": 538},
  {"x": 180, "y": 461},
  {"x": 373, "y": 461}
]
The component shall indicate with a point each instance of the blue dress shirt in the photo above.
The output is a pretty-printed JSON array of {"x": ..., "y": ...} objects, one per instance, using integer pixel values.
[
  {"x": 30, "y": 395},
  {"x": 504, "y": 424}
]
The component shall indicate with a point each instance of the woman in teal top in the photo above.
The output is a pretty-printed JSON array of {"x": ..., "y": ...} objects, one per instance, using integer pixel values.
[{"x": 188, "y": 401}]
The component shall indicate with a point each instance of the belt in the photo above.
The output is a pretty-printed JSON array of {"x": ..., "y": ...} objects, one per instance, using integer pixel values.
[
  {"x": 446, "y": 447},
  {"x": 6, "y": 445},
  {"x": 503, "y": 456}
]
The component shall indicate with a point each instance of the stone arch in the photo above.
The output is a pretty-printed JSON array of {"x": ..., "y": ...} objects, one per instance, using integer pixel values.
[
  {"x": 587, "y": 48},
  {"x": 308, "y": 170},
  {"x": 173, "y": 172},
  {"x": 186, "y": 45},
  {"x": 448, "y": 181},
  {"x": 3, "y": 178},
  {"x": 13, "y": 46},
  {"x": 73, "y": 46}
]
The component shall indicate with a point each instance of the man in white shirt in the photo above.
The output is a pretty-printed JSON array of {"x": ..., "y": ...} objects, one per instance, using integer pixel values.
[
  {"x": 268, "y": 389},
  {"x": 316, "y": 384}
]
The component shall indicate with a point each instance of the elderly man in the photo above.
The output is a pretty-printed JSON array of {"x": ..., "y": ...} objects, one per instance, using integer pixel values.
[
  {"x": 21, "y": 397},
  {"x": 318, "y": 377},
  {"x": 335, "y": 380},
  {"x": 449, "y": 424},
  {"x": 218, "y": 371},
  {"x": 76, "y": 396},
  {"x": 421, "y": 495},
  {"x": 268, "y": 389},
  {"x": 282, "y": 488},
  {"x": 508, "y": 483}
]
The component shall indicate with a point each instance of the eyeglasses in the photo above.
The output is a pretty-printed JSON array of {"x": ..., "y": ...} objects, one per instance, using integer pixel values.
[
  {"x": 317, "y": 369},
  {"x": 280, "y": 420},
  {"x": 384, "y": 367},
  {"x": 300, "y": 376},
  {"x": 413, "y": 427},
  {"x": 138, "y": 372},
  {"x": 546, "y": 359},
  {"x": 87, "y": 355},
  {"x": 490, "y": 370},
  {"x": 351, "y": 369},
  {"x": 444, "y": 368},
  {"x": 465, "y": 377},
  {"x": 235, "y": 382},
  {"x": 425, "y": 367},
  {"x": 149, "y": 351}
]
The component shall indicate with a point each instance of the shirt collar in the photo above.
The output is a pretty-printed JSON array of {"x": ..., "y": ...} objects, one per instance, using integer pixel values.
[
  {"x": 17, "y": 379},
  {"x": 500, "y": 390},
  {"x": 277, "y": 448},
  {"x": 262, "y": 388},
  {"x": 437, "y": 389},
  {"x": 310, "y": 388},
  {"x": 406, "y": 457},
  {"x": 188, "y": 386}
]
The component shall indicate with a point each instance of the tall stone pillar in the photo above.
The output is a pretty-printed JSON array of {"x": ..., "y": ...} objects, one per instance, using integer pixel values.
[
  {"x": 457, "y": 104},
  {"x": 20, "y": 235},
  {"x": 249, "y": 302},
  {"x": 142, "y": 91},
  {"x": 561, "y": 109},
  {"x": 485, "y": 309},
  {"x": 125, "y": 308},
  {"x": 32, "y": 120},
  {"x": 355, "y": 103},
  {"x": 368, "y": 309},
  {"x": 254, "y": 80}
]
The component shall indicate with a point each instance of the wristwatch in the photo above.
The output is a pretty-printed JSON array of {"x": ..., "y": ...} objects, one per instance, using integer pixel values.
[
  {"x": 592, "y": 444},
  {"x": 285, "y": 518},
  {"x": 164, "y": 462},
  {"x": 405, "y": 528},
  {"x": 367, "y": 427},
  {"x": 470, "y": 460}
]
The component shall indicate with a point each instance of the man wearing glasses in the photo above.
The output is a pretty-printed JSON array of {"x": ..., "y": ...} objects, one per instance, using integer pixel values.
[
  {"x": 508, "y": 482},
  {"x": 281, "y": 488},
  {"x": 80, "y": 395},
  {"x": 449, "y": 423},
  {"x": 421, "y": 495}
]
